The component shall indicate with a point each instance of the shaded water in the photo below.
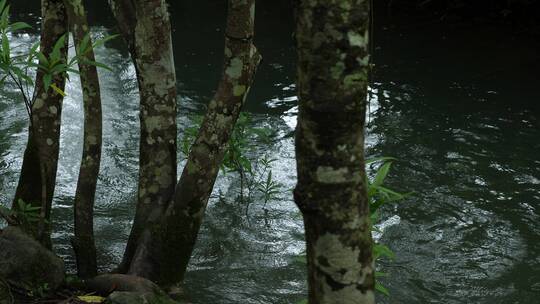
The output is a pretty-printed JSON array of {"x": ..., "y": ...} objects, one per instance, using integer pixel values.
[{"x": 464, "y": 123}]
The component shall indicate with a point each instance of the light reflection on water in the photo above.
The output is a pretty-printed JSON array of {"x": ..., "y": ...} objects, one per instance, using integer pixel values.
[{"x": 470, "y": 231}]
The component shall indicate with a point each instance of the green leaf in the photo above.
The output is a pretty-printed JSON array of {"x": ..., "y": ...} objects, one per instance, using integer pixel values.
[
  {"x": 83, "y": 46},
  {"x": 380, "y": 288},
  {"x": 381, "y": 174},
  {"x": 302, "y": 259},
  {"x": 4, "y": 17},
  {"x": 5, "y": 47},
  {"x": 102, "y": 41},
  {"x": 380, "y": 250},
  {"x": 56, "y": 52},
  {"x": 44, "y": 62},
  {"x": 47, "y": 79},
  {"x": 21, "y": 75},
  {"x": 97, "y": 64},
  {"x": 379, "y": 274},
  {"x": 18, "y": 26},
  {"x": 58, "y": 90},
  {"x": 2, "y": 5}
]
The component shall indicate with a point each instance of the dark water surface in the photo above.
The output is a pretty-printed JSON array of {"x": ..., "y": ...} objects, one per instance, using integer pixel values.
[{"x": 457, "y": 105}]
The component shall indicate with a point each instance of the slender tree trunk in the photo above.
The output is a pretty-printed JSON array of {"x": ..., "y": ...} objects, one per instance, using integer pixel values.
[
  {"x": 167, "y": 243},
  {"x": 149, "y": 39},
  {"x": 83, "y": 242},
  {"x": 38, "y": 173},
  {"x": 333, "y": 59}
]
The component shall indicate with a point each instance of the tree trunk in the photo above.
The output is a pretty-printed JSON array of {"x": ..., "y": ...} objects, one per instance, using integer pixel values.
[
  {"x": 38, "y": 173},
  {"x": 83, "y": 242},
  {"x": 167, "y": 244},
  {"x": 333, "y": 63},
  {"x": 149, "y": 39}
]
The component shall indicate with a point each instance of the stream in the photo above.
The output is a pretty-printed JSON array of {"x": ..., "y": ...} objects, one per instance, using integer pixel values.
[{"x": 461, "y": 115}]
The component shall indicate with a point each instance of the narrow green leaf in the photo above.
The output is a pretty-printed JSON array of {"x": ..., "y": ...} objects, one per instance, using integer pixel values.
[
  {"x": 97, "y": 64},
  {"x": 83, "y": 46},
  {"x": 18, "y": 26},
  {"x": 58, "y": 90},
  {"x": 102, "y": 41},
  {"x": 5, "y": 47},
  {"x": 381, "y": 174},
  {"x": 43, "y": 60},
  {"x": 47, "y": 79},
  {"x": 380, "y": 288},
  {"x": 2, "y": 5},
  {"x": 56, "y": 52}
]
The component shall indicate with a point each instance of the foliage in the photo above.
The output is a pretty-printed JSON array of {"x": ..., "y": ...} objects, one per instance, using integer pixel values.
[
  {"x": 269, "y": 188},
  {"x": 255, "y": 175},
  {"x": 379, "y": 195},
  {"x": 38, "y": 291},
  {"x": 18, "y": 68},
  {"x": 25, "y": 215}
]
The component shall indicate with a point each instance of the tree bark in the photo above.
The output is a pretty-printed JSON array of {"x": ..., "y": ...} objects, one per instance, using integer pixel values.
[
  {"x": 38, "y": 174},
  {"x": 167, "y": 243},
  {"x": 148, "y": 35},
  {"x": 83, "y": 242},
  {"x": 333, "y": 63}
]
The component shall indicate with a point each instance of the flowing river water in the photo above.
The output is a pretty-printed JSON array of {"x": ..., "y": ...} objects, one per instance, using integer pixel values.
[{"x": 460, "y": 113}]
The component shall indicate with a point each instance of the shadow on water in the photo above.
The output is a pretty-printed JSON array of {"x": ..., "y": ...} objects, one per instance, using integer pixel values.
[{"x": 459, "y": 112}]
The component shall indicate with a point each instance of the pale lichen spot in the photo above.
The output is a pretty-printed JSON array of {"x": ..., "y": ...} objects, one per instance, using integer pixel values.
[
  {"x": 238, "y": 90},
  {"x": 252, "y": 11},
  {"x": 252, "y": 50},
  {"x": 347, "y": 295},
  {"x": 39, "y": 102},
  {"x": 355, "y": 39},
  {"x": 339, "y": 260},
  {"x": 354, "y": 80},
  {"x": 228, "y": 52},
  {"x": 49, "y": 141},
  {"x": 153, "y": 189},
  {"x": 152, "y": 123},
  {"x": 92, "y": 140},
  {"x": 53, "y": 110},
  {"x": 331, "y": 175},
  {"x": 337, "y": 70},
  {"x": 234, "y": 70},
  {"x": 363, "y": 61}
]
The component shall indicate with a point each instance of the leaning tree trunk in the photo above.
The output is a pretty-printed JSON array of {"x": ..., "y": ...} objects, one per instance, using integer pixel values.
[
  {"x": 149, "y": 39},
  {"x": 83, "y": 242},
  {"x": 333, "y": 59},
  {"x": 167, "y": 243},
  {"x": 38, "y": 173}
]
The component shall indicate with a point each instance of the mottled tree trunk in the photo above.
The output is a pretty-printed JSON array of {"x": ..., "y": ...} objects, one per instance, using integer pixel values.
[
  {"x": 149, "y": 39},
  {"x": 83, "y": 242},
  {"x": 168, "y": 241},
  {"x": 38, "y": 173},
  {"x": 333, "y": 59}
]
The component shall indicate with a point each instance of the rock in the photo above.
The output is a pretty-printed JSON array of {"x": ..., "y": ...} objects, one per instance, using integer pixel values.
[
  {"x": 129, "y": 297},
  {"x": 25, "y": 263},
  {"x": 106, "y": 283},
  {"x": 128, "y": 289}
]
